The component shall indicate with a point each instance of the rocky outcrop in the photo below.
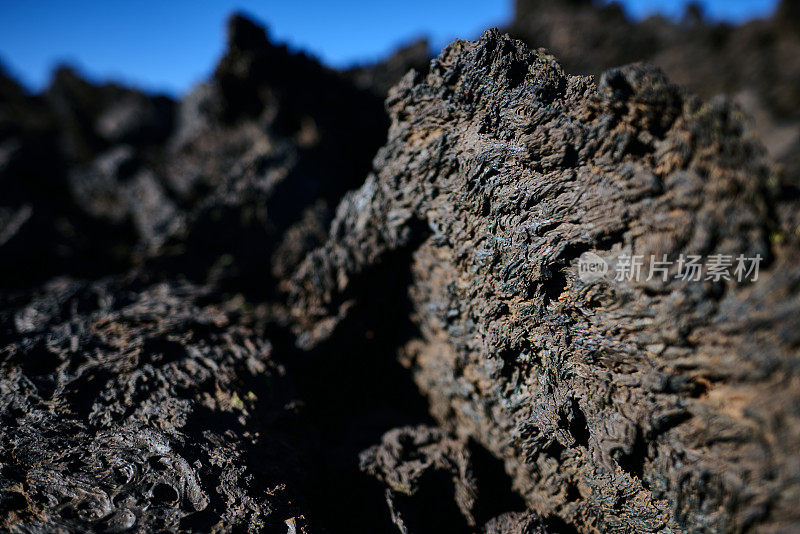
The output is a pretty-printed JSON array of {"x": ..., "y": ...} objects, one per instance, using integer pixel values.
[
  {"x": 232, "y": 184},
  {"x": 381, "y": 76},
  {"x": 142, "y": 401},
  {"x": 134, "y": 409},
  {"x": 193, "y": 337},
  {"x": 46, "y": 227},
  {"x": 436, "y": 483},
  {"x": 645, "y": 404},
  {"x": 755, "y": 61},
  {"x": 261, "y": 157}
]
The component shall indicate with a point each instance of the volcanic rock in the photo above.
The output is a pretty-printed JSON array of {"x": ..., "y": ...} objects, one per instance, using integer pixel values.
[{"x": 638, "y": 404}]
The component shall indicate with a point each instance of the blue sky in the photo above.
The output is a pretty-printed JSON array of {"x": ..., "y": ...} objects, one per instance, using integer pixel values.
[{"x": 170, "y": 45}]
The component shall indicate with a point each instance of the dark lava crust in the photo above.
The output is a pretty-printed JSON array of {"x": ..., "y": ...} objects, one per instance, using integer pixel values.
[{"x": 215, "y": 318}]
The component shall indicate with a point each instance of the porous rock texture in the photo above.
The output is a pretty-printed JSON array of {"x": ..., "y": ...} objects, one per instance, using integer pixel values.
[
  {"x": 632, "y": 406},
  {"x": 193, "y": 338},
  {"x": 134, "y": 399},
  {"x": 756, "y": 61},
  {"x": 435, "y": 482},
  {"x": 138, "y": 409}
]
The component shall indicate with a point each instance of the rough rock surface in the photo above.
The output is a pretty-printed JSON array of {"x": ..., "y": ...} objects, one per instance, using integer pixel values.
[
  {"x": 435, "y": 483},
  {"x": 172, "y": 358},
  {"x": 136, "y": 409},
  {"x": 646, "y": 406},
  {"x": 234, "y": 183},
  {"x": 755, "y": 61},
  {"x": 167, "y": 389}
]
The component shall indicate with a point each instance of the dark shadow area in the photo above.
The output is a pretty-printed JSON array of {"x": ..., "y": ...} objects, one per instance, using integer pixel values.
[
  {"x": 496, "y": 493},
  {"x": 355, "y": 391},
  {"x": 433, "y": 508}
]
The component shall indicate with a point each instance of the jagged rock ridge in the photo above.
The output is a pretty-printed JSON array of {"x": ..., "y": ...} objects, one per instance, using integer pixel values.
[
  {"x": 144, "y": 400},
  {"x": 635, "y": 406}
]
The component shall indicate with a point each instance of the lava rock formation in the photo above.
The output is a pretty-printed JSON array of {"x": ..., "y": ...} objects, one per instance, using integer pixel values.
[{"x": 281, "y": 305}]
